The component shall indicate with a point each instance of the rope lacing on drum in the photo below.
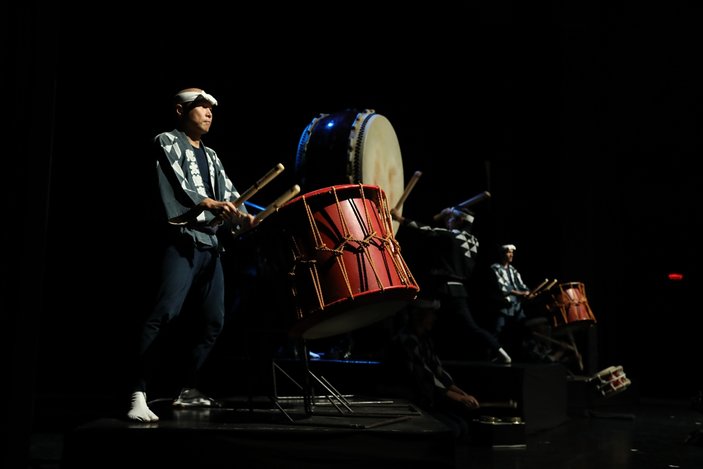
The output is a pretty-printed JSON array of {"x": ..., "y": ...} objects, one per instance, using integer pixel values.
[
  {"x": 390, "y": 243},
  {"x": 347, "y": 240},
  {"x": 386, "y": 242},
  {"x": 298, "y": 259},
  {"x": 338, "y": 252},
  {"x": 371, "y": 235}
]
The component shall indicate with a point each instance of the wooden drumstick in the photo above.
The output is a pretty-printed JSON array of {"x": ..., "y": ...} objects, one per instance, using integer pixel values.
[
  {"x": 551, "y": 284},
  {"x": 248, "y": 193},
  {"x": 475, "y": 199},
  {"x": 259, "y": 184},
  {"x": 408, "y": 188},
  {"x": 509, "y": 404},
  {"x": 538, "y": 289},
  {"x": 467, "y": 203},
  {"x": 292, "y": 192}
]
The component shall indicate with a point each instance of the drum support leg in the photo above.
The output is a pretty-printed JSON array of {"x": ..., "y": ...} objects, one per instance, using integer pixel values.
[
  {"x": 333, "y": 396},
  {"x": 307, "y": 384},
  {"x": 575, "y": 349}
]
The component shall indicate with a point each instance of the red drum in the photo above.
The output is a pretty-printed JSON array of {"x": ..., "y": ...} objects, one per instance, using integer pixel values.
[
  {"x": 351, "y": 147},
  {"x": 341, "y": 261},
  {"x": 569, "y": 307},
  {"x": 610, "y": 381}
]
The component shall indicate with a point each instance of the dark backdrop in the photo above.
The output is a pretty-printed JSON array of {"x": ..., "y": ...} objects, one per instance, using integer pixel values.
[{"x": 582, "y": 122}]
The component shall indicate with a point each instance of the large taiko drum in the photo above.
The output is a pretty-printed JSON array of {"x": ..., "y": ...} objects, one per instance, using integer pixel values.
[
  {"x": 339, "y": 260},
  {"x": 351, "y": 147},
  {"x": 569, "y": 306}
]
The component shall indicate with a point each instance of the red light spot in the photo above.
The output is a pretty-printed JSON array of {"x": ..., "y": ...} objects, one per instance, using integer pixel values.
[{"x": 675, "y": 276}]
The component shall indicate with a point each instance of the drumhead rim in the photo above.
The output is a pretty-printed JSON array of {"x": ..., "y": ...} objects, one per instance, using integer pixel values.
[{"x": 374, "y": 190}]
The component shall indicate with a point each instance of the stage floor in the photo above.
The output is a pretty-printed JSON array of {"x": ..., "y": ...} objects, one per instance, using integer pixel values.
[
  {"x": 642, "y": 435},
  {"x": 328, "y": 431},
  {"x": 368, "y": 431}
]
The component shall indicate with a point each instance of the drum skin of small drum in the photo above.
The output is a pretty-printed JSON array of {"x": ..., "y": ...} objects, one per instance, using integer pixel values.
[
  {"x": 569, "y": 306},
  {"x": 351, "y": 147},
  {"x": 336, "y": 253}
]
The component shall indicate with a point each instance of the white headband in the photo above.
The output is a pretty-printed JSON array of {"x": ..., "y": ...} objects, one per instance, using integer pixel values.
[
  {"x": 463, "y": 215},
  {"x": 190, "y": 96},
  {"x": 509, "y": 247}
]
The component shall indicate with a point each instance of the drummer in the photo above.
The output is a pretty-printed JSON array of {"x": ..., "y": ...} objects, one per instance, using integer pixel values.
[
  {"x": 443, "y": 259},
  {"x": 510, "y": 291},
  {"x": 510, "y": 323}
]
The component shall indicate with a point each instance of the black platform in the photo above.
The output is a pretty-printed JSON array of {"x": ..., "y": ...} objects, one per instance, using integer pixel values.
[
  {"x": 538, "y": 390},
  {"x": 337, "y": 421},
  {"x": 257, "y": 431},
  {"x": 256, "y": 434}
]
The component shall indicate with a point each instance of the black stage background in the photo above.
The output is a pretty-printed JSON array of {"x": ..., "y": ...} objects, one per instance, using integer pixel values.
[{"x": 582, "y": 121}]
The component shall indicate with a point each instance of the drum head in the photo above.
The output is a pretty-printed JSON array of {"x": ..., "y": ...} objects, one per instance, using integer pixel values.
[
  {"x": 351, "y": 316},
  {"x": 351, "y": 147}
]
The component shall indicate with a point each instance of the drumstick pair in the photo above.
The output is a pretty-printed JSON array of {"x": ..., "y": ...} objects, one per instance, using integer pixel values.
[
  {"x": 276, "y": 204},
  {"x": 542, "y": 287},
  {"x": 275, "y": 171}
]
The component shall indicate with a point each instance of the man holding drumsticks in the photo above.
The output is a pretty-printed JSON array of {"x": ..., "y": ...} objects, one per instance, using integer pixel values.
[
  {"x": 194, "y": 197},
  {"x": 510, "y": 288},
  {"x": 509, "y": 320}
]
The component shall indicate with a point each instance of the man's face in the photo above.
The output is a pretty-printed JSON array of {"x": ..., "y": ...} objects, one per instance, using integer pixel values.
[{"x": 199, "y": 116}]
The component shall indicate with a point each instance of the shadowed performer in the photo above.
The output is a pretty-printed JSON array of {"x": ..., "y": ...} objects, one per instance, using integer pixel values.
[
  {"x": 419, "y": 375},
  {"x": 443, "y": 259}
]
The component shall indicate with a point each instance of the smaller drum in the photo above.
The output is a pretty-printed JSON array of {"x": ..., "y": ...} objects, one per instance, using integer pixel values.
[
  {"x": 610, "y": 381},
  {"x": 341, "y": 262},
  {"x": 569, "y": 307}
]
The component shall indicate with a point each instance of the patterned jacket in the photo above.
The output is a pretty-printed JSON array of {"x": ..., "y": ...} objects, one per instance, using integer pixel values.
[
  {"x": 181, "y": 187},
  {"x": 509, "y": 279}
]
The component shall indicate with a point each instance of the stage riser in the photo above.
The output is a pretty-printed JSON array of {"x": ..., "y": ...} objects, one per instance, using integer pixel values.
[{"x": 539, "y": 390}]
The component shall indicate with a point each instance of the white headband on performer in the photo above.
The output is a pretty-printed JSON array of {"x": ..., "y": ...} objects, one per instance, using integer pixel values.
[
  {"x": 509, "y": 247},
  {"x": 190, "y": 96},
  {"x": 463, "y": 215}
]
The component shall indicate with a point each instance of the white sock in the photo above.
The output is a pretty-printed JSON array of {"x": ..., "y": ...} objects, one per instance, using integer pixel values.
[
  {"x": 504, "y": 354},
  {"x": 140, "y": 410}
]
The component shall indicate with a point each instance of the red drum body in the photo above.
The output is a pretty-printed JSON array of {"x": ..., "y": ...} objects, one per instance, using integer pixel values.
[
  {"x": 351, "y": 147},
  {"x": 342, "y": 264},
  {"x": 569, "y": 307}
]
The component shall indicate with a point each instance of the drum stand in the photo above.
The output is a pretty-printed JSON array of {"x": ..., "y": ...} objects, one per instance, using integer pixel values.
[
  {"x": 333, "y": 396},
  {"x": 570, "y": 346}
]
